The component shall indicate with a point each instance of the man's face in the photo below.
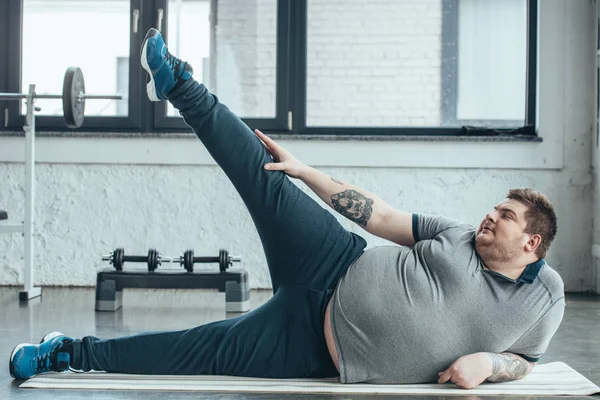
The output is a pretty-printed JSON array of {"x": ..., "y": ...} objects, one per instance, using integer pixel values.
[{"x": 501, "y": 235}]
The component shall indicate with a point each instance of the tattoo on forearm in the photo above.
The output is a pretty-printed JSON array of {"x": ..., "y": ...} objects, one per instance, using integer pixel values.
[
  {"x": 508, "y": 367},
  {"x": 336, "y": 180},
  {"x": 353, "y": 205}
]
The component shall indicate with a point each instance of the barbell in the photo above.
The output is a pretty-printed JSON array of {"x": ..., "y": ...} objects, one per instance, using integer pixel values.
[{"x": 73, "y": 97}]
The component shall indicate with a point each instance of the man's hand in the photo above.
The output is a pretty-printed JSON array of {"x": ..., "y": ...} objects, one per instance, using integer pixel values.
[
  {"x": 284, "y": 160},
  {"x": 468, "y": 371}
]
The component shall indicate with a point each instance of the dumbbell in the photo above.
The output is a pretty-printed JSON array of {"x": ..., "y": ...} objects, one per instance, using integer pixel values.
[
  {"x": 118, "y": 257},
  {"x": 187, "y": 260}
]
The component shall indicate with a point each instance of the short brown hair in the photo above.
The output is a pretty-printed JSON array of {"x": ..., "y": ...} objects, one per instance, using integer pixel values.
[{"x": 540, "y": 216}]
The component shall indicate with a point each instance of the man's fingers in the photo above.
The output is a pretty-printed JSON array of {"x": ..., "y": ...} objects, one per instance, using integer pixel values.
[
  {"x": 275, "y": 166},
  {"x": 444, "y": 376},
  {"x": 267, "y": 140},
  {"x": 264, "y": 144},
  {"x": 256, "y": 132},
  {"x": 261, "y": 135}
]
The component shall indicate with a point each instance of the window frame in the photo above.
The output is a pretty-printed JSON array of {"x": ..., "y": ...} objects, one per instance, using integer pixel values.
[
  {"x": 146, "y": 117},
  {"x": 449, "y": 93}
]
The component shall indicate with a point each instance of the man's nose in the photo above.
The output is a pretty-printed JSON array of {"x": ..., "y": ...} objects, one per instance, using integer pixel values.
[{"x": 491, "y": 216}]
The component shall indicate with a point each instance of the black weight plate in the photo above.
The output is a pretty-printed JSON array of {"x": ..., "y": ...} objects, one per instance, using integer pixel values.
[
  {"x": 118, "y": 258},
  {"x": 152, "y": 260},
  {"x": 223, "y": 260},
  {"x": 188, "y": 260},
  {"x": 73, "y": 107}
]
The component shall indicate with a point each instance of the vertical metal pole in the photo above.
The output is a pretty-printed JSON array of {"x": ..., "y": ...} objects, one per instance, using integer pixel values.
[
  {"x": 531, "y": 64},
  {"x": 29, "y": 291}
]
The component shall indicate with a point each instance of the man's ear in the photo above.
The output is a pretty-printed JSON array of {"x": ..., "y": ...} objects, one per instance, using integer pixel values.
[{"x": 533, "y": 243}]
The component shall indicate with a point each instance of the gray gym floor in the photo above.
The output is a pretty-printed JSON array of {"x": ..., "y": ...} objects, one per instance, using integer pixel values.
[{"x": 71, "y": 310}]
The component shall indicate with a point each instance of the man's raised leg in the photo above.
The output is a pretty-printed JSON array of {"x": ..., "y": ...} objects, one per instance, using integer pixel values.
[{"x": 304, "y": 243}]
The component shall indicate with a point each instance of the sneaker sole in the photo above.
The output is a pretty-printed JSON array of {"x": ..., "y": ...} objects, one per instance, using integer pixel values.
[
  {"x": 150, "y": 88},
  {"x": 49, "y": 336},
  {"x": 11, "y": 369}
]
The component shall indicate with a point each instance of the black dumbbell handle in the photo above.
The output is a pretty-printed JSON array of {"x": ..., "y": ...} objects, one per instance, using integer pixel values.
[
  {"x": 135, "y": 258},
  {"x": 130, "y": 258},
  {"x": 206, "y": 259},
  {"x": 200, "y": 259}
]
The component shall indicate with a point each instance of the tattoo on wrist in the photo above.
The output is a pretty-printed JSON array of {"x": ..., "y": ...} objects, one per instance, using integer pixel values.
[
  {"x": 353, "y": 205},
  {"x": 508, "y": 367},
  {"x": 336, "y": 180}
]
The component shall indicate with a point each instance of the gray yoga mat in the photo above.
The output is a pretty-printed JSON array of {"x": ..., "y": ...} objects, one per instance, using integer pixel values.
[{"x": 550, "y": 379}]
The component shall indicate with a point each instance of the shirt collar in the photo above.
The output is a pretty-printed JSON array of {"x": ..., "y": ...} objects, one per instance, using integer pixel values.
[
  {"x": 531, "y": 271},
  {"x": 529, "y": 274}
]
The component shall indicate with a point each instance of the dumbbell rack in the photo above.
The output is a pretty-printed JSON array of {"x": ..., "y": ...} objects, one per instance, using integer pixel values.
[
  {"x": 110, "y": 285},
  {"x": 27, "y": 227}
]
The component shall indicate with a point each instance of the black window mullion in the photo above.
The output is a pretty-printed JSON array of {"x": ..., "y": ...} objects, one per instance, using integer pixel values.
[
  {"x": 532, "y": 38},
  {"x": 136, "y": 89},
  {"x": 148, "y": 19},
  {"x": 298, "y": 44},
  {"x": 283, "y": 70}
]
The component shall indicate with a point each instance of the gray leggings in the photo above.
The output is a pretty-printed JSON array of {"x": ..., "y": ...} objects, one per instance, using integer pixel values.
[{"x": 307, "y": 252}]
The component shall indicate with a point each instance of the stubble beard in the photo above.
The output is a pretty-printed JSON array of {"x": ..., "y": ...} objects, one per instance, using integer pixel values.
[{"x": 490, "y": 251}]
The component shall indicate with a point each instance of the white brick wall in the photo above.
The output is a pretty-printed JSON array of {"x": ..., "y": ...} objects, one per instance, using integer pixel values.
[
  {"x": 374, "y": 63},
  {"x": 246, "y": 56}
]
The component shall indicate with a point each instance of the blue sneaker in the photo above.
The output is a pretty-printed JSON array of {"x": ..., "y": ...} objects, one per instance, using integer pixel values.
[
  {"x": 28, "y": 360},
  {"x": 165, "y": 70}
]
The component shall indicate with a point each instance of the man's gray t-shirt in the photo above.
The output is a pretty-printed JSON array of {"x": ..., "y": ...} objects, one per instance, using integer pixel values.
[{"x": 403, "y": 314}]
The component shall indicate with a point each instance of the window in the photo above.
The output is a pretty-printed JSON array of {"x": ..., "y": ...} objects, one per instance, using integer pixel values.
[
  {"x": 485, "y": 60},
  {"x": 86, "y": 44},
  {"x": 395, "y": 67},
  {"x": 52, "y": 35}
]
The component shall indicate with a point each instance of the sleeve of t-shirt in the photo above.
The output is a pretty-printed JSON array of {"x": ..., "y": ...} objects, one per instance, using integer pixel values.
[
  {"x": 535, "y": 341},
  {"x": 427, "y": 227}
]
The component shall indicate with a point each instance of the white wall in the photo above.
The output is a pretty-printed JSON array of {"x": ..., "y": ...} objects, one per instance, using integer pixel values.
[{"x": 96, "y": 194}]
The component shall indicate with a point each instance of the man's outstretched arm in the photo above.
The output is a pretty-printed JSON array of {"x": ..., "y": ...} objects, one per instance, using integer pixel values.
[
  {"x": 358, "y": 205},
  {"x": 471, "y": 370},
  {"x": 364, "y": 208}
]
